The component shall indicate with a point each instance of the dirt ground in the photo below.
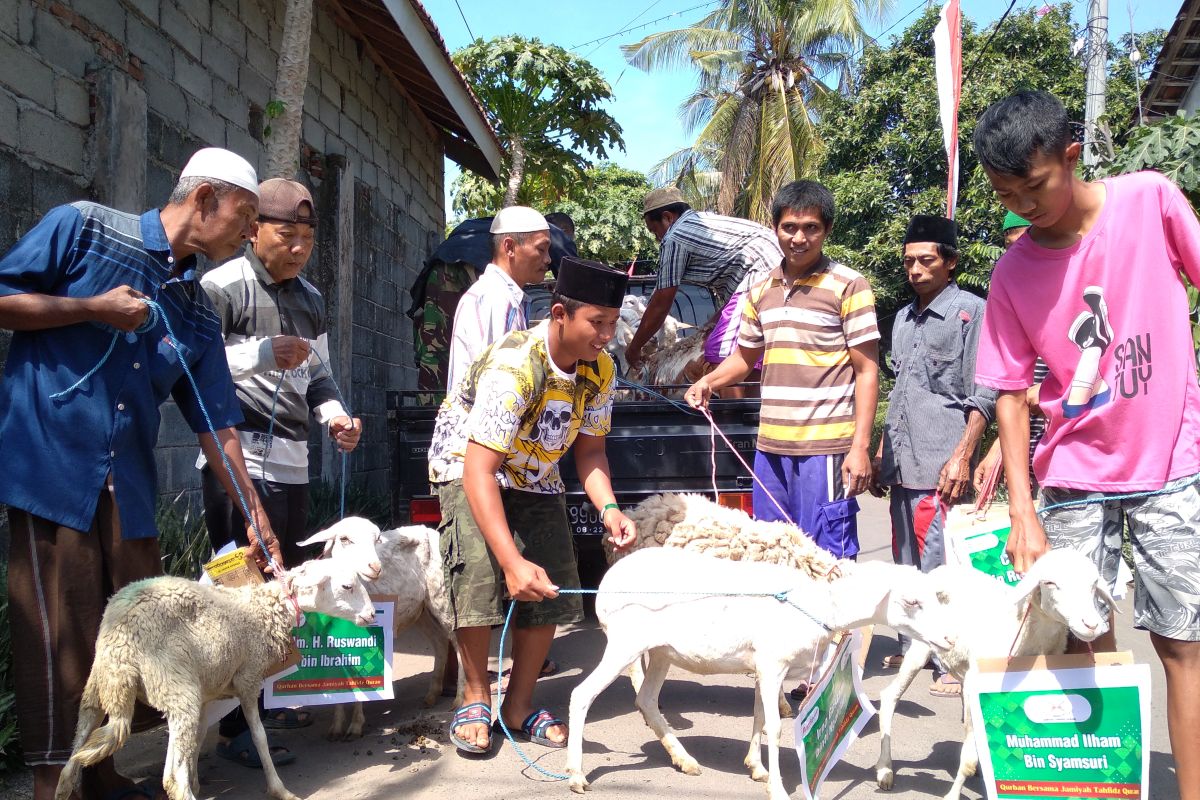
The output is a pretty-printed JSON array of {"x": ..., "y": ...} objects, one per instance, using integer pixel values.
[{"x": 405, "y": 751}]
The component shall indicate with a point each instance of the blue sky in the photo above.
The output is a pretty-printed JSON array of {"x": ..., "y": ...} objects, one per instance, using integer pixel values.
[{"x": 646, "y": 105}]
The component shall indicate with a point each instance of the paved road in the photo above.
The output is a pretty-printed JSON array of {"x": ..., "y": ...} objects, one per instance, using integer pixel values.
[{"x": 623, "y": 761}]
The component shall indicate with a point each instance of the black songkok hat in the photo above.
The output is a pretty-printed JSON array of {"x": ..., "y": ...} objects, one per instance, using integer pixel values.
[
  {"x": 591, "y": 282},
  {"x": 930, "y": 228}
]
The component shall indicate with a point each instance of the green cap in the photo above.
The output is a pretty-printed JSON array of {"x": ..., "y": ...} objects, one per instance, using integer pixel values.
[{"x": 1012, "y": 220}]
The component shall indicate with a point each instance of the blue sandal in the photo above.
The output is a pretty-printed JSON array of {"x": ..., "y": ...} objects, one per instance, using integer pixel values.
[
  {"x": 469, "y": 714},
  {"x": 535, "y": 725}
]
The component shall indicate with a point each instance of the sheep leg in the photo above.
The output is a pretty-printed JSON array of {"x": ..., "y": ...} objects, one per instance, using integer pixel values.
[
  {"x": 785, "y": 708},
  {"x": 183, "y": 724},
  {"x": 910, "y": 667},
  {"x": 769, "y": 685},
  {"x": 968, "y": 759},
  {"x": 647, "y": 702},
  {"x": 275, "y": 787},
  {"x": 439, "y": 641},
  {"x": 754, "y": 756},
  {"x": 616, "y": 659}
]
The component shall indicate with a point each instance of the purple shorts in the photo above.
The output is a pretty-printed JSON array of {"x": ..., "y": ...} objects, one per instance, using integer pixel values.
[
  {"x": 810, "y": 489},
  {"x": 723, "y": 340}
]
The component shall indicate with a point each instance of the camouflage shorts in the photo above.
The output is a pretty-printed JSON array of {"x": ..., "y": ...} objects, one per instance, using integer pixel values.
[
  {"x": 476, "y": 582},
  {"x": 1164, "y": 530}
]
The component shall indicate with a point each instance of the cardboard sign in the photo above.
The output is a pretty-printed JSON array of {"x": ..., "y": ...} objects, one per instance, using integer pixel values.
[
  {"x": 339, "y": 662},
  {"x": 832, "y": 716},
  {"x": 1062, "y": 726},
  {"x": 977, "y": 539}
]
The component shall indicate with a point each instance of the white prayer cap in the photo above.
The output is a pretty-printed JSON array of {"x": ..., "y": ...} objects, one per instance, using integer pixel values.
[
  {"x": 519, "y": 219},
  {"x": 220, "y": 164}
]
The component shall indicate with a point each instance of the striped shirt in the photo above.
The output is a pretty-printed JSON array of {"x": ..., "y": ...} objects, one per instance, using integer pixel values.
[
  {"x": 723, "y": 253},
  {"x": 485, "y": 313},
  {"x": 807, "y": 331},
  {"x": 253, "y": 308}
]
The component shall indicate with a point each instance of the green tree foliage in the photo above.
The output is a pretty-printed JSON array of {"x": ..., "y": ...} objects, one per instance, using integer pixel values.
[
  {"x": 545, "y": 105},
  {"x": 760, "y": 64},
  {"x": 884, "y": 158},
  {"x": 1171, "y": 147},
  {"x": 607, "y": 208}
]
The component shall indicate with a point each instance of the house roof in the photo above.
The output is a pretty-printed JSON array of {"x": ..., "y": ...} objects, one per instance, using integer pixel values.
[
  {"x": 400, "y": 37},
  {"x": 1175, "y": 69}
]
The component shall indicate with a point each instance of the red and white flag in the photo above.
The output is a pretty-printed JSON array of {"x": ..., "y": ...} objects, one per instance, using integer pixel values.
[{"x": 947, "y": 48}]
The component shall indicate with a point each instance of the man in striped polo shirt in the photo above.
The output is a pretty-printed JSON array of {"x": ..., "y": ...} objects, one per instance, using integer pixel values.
[{"x": 812, "y": 321}]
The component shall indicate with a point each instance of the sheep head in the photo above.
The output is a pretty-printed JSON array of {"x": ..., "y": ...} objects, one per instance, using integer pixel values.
[
  {"x": 352, "y": 541},
  {"x": 919, "y": 607},
  {"x": 330, "y": 587},
  {"x": 1066, "y": 586}
]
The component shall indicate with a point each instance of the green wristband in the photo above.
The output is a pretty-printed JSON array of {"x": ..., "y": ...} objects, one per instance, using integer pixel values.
[{"x": 607, "y": 507}]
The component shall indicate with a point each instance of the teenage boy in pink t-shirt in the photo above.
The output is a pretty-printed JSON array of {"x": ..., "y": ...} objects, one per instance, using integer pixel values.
[{"x": 1096, "y": 288}]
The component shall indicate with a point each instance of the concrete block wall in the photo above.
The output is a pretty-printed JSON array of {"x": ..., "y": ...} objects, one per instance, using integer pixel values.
[{"x": 207, "y": 70}]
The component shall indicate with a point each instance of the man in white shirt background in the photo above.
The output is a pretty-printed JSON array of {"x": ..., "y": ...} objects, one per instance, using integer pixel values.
[{"x": 492, "y": 306}]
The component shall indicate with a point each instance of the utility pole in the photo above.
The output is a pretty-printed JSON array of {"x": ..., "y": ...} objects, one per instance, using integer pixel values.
[{"x": 1096, "y": 85}]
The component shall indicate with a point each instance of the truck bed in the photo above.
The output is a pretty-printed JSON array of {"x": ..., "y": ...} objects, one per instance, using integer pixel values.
[{"x": 654, "y": 447}]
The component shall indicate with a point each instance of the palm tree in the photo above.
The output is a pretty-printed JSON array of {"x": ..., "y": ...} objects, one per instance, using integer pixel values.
[{"x": 761, "y": 65}]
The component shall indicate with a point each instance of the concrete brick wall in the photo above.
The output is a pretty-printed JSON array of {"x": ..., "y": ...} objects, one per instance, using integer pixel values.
[{"x": 207, "y": 70}]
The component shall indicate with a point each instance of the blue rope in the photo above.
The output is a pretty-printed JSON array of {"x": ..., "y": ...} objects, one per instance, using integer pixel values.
[
  {"x": 628, "y": 384},
  {"x": 782, "y": 597},
  {"x": 345, "y": 455},
  {"x": 130, "y": 336},
  {"x": 1105, "y": 498},
  {"x": 212, "y": 430}
]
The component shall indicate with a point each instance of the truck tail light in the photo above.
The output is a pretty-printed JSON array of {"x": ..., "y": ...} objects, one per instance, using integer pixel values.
[
  {"x": 425, "y": 511},
  {"x": 742, "y": 501}
]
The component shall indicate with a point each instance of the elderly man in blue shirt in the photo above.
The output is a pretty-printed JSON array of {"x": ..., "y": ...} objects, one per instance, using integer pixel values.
[
  {"x": 87, "y": 371},
  {"x": 936, "y": 413}
]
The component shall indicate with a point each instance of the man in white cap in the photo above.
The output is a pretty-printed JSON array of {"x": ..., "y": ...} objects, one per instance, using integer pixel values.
[
  {"x": 492, "y": 306},
  {"x": 88, "y": 368}
]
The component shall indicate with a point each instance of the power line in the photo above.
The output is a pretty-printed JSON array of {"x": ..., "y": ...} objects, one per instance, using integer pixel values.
[
  {"x": 644, "y": 24},
  {"x": 986, "y": 45},
  {"x": 635, "y": 18},
  {"x": 464, "y": 19}
]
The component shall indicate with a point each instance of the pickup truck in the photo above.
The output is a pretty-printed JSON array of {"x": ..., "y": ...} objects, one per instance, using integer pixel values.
[{"x": 655, "y": 445}]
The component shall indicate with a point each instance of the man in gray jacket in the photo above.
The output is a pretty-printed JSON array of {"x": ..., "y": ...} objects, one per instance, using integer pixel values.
[
  {"x": 277, "y": 345},
  {"x": 936, "y": 414}
]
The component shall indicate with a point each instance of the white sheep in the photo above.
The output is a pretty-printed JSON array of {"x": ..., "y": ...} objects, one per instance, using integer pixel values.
[
  {"x": 633, "y": 307},
  {"x": 695, "y": 523},
  {"x": 175, "y": 645},
  {"x": 648, "y": 604},
  {"x": 411, "y": 570},
  {"x": 357, "y": 539},
  {"x": 992, "y": 619}
]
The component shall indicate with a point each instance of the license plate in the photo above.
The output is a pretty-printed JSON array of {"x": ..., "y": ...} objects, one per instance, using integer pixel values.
[{"x": 584, "y": 519}]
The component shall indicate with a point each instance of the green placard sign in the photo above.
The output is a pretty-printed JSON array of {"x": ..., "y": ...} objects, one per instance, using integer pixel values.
[
  {"x": 832, "y": 716},
  {"x": 339, "y": 662},
  {"x": 1064, "y": 733},
  {"x": 979, "y": 541}
]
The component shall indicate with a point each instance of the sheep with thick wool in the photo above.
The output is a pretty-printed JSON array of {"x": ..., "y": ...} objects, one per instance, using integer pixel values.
[
  {"x": 411, "y": 571},
  {"x": 714, "y": 617},
  {"x": 175, "y": 644},
  {"x": 695, "y": 523},
  {"x": 1059, "y": 594}
]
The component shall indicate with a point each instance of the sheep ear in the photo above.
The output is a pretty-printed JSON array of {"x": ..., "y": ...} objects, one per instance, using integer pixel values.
[
  {"x": 1105, "y": 595},
  {"x": 1027, "y": 586},
  {"x": 329, "y": 534},
  {"x": 302, "y": 578}
]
